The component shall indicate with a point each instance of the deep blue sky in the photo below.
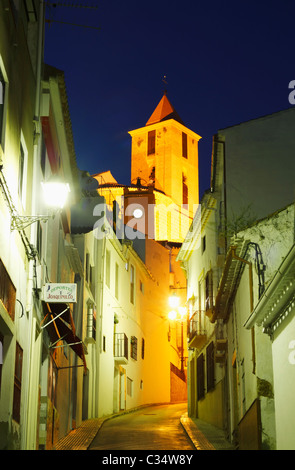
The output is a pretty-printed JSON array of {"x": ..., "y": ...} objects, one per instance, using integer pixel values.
[{"x": 225, "y": 62}]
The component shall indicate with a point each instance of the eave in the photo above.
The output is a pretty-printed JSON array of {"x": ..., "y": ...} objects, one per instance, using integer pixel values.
[{"x": 279, "y": 297}]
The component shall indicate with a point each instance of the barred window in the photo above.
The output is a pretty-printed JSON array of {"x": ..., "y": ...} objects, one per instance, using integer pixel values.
[
  {"x": 200, "y": 377},
  {"x": 209, "y": 290},
  {"x": 7, "y": 291},
  {"x": 134, "y": 347}
]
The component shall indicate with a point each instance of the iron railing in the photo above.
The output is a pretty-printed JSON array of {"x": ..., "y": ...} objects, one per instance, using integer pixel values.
[
  {"x": 120, "y": 345},
  {"x": 195, "y": 325}
]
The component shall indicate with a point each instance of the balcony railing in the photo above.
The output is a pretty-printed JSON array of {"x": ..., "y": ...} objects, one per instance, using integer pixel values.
[
  {"x": 196, "y": 332},
  {"x": 121, "y": 348}
]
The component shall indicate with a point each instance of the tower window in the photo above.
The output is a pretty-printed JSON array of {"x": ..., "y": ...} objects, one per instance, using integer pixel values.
[
  {"x": 184, "y": 191},
  {"x": 132, "y": 284},
  {"x": 184, "y": 145},
  {"x": 151, "y": 142}
]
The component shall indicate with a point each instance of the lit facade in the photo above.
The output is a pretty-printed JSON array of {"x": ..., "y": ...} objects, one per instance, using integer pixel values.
[
  {"x": 161, "y": 227},
  {"x": 40, "y": 373},
  {"x": 18, "y": 153},
  {"x": 243, "y": 373}
]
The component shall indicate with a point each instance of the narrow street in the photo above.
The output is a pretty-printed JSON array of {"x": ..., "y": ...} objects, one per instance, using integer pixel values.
[{"x": 151, "y": 428}]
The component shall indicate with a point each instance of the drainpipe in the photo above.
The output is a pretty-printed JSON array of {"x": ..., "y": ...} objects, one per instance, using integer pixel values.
[{"x": 251, "y": 304}]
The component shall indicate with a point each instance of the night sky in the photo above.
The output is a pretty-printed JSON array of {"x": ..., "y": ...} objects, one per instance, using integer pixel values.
[{"x": 225, "y": 63}]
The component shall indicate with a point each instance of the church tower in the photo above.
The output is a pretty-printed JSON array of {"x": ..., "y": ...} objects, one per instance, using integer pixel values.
[{"x": 164, "y": 154}]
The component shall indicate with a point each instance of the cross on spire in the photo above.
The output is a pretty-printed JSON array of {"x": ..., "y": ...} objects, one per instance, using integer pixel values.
[{"x": 164, "y": 80}]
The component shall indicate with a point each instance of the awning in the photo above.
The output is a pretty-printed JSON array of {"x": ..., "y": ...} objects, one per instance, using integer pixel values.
[{"x": 59, "y": 323}]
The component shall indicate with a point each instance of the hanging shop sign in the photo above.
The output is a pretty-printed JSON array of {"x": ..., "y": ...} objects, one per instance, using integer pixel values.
[{"x": 60, "y": 293}]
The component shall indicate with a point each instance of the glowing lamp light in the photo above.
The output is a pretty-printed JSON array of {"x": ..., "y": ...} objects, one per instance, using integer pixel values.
[
  {"x": 172, "y": 315},
  {"x": 55, "y": 193},
  {"x": 182, "y": 311},
  {"x": 174, "y": 301}
]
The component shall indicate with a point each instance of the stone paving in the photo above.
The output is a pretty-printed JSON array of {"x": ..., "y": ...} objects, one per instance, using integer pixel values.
[{"x": 202, "y": 435}]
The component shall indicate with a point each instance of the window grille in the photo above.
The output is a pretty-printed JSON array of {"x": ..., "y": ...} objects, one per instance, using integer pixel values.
[
  {"x": 7, "y": 291},
  {"x": 200, "y": 377},
  {"x": 134, "y": 347}
]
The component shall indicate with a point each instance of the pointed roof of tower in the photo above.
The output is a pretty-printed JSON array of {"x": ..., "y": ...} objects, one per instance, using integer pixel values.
[{"x": 163, "y": 112}]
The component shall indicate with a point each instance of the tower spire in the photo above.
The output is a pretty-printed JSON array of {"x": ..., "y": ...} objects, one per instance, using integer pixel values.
[{"x": 164, "y": 80}]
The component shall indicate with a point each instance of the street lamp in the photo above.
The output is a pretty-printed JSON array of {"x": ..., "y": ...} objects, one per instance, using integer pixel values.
[
  {"x": 55, "y": 193},
  {"x": 174, "y": 300}
]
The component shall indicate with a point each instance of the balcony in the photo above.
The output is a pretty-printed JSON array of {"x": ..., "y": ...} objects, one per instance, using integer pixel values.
[
  {"x": 196, "y": 333},
  {"x": 121, "y": 348}
]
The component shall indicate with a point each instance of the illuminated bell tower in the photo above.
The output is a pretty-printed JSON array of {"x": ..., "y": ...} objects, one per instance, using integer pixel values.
[{"x": 164, "y": 154}]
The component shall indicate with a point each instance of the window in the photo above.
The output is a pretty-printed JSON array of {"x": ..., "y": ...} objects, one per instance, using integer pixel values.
[
  {"x": 184, "y": 145},
  {"x": 121, "y": 345},
  {"x": 141, "y": 287},
  {"x": 22, "y": 171},
  {"x": 133, "y": 353},
  {"x": 200, "y": 377},
  {"x": 117, "y": 281},
  {"x": 132, "y": 284},
  {"x": 129, "y": 387},
  {"x": 91, "y": 323},
  {"x": 108, "y": 268},
  {"x": 184, "y": 190},
  {"x": 17, "y": 383},
  {"x": 39, "y": 239},
  {"x": 210, "y": 366},
  {"x": 43, "y": 156},
  {"x": 209, "y": 291},
  {"x": 151, "y": 143},
  {"x": 203, "y": 246},
  {"x": 7, "y": 291},
  {"x": 142, "y": 348},
  {"x": 15, "y": 9}
]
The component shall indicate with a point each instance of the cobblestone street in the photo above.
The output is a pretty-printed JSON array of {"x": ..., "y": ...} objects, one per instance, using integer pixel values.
[{"x": 152, "y": 428}]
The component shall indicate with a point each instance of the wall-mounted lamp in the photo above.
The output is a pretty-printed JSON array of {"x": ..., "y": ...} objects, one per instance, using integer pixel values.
[{"x": 55, "y": 192}]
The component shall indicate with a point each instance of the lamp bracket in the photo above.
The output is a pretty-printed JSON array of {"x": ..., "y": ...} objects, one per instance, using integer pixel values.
[{"x": 20, "y": 222}]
